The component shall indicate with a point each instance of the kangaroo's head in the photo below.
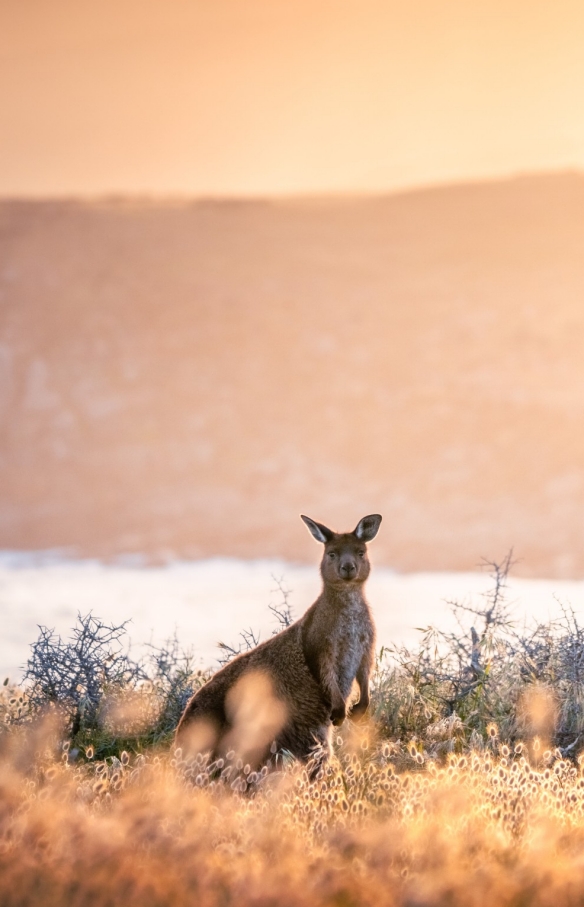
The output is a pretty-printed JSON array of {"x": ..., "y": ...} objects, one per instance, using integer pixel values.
[{"x": 345, "y": 553}]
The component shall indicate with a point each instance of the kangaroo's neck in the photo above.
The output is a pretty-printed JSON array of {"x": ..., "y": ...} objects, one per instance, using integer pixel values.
[{"x": 346, "y": 597}]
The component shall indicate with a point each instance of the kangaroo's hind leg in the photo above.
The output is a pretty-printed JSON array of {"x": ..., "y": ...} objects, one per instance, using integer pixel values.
[{"x": 307, "y": 744}]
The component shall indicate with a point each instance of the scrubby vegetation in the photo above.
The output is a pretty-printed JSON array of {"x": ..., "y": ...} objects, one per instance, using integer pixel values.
[
  {"x": 528, "y": 681},
  {"x": 465, "y": 788},
  {"x": 100, "y": 695}
]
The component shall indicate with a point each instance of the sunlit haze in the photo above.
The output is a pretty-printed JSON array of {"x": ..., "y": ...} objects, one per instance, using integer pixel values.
[{"x": 244, "y": 97}]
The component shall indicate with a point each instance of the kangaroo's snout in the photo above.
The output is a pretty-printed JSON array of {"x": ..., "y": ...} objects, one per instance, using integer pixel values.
[{"x": 348, "y": 568}]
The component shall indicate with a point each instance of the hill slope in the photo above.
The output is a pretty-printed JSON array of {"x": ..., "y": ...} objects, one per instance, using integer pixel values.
[{"x": 188, "y": 377}]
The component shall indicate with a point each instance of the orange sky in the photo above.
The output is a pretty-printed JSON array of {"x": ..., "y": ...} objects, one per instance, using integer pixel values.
[{"x": 241, "y": 97}]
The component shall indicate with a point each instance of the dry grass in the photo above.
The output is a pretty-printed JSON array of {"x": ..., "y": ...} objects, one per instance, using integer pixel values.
[{"x": 488, "y": 827}]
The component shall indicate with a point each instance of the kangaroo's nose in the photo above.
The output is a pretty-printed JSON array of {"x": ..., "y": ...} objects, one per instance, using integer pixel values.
[{"x": 348, "y": 570}]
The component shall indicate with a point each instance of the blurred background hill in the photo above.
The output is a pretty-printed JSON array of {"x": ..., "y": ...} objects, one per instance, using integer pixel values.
[{"x": 183, "y": 378}]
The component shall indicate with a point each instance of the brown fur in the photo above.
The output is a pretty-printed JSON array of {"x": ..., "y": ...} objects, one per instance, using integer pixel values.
[{"x": 292, "y": 687}]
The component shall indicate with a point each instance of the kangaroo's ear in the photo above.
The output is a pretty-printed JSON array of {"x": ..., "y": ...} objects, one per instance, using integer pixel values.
[
  {"x": 367, "y": 527},
  {"x": 320, "y": 532}
]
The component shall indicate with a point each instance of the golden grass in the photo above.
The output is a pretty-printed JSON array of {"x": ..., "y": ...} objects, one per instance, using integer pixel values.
[{"x": 381, "y": 824}]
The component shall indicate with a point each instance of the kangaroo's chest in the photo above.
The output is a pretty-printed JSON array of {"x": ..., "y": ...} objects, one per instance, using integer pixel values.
[{"x": 354, "y": 637}]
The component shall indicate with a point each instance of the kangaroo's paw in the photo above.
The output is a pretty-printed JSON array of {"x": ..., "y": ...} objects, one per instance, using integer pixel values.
[{"x": 338, "y": 714}]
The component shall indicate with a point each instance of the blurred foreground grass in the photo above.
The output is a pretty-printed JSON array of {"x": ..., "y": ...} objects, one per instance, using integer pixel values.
[{"x": 486, "y": 827}]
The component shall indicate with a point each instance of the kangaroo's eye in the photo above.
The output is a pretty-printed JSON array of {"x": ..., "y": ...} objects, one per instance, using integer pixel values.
[
  {"x": 361, "y": 554},
  {"x": 332, "y": 555}
]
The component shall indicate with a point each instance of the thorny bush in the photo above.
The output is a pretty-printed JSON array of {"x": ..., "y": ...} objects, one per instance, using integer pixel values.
[
  {"x": 104, "y": 698},
  {"x": 448, "y": 693}
]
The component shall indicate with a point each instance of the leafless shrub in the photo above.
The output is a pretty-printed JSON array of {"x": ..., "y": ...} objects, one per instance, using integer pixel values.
[
  {"x": 104, "y": 696},
  {"x": 249, "y": 639},
  {"x": 484, "y": 674},
  {"x": 76, "y": 673},
  {"x": 282, "y": 610},
  {"x": 174, "y": 678}
]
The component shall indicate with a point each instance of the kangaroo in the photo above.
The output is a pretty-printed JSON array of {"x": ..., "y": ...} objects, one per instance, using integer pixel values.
[{"x": 288, "y": 692}]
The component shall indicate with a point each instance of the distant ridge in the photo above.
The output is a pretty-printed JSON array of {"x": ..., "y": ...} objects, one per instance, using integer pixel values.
[
  {"x": 188, "y": 376},
  {"x": 148, "y": 199}
]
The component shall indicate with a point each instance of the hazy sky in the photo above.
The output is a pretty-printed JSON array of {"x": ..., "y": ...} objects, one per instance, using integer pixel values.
[{"x": 265, "y": 96}]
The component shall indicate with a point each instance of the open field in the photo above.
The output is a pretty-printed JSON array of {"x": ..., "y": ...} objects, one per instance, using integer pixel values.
[
  {"x": 183, "y": 378},
  {"x": 464, "y": 787}
]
